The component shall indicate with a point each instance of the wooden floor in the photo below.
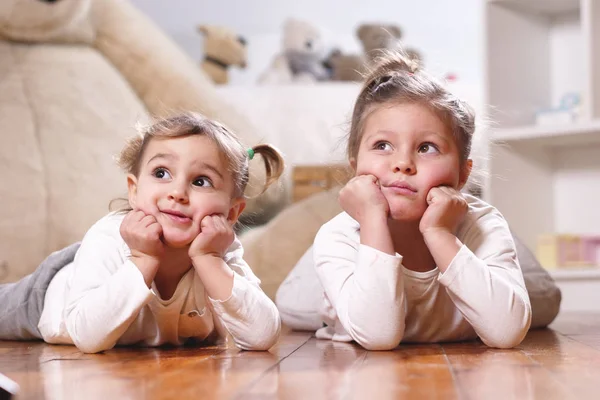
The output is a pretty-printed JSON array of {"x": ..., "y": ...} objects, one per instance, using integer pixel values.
[{"x": 561, "y": 363}]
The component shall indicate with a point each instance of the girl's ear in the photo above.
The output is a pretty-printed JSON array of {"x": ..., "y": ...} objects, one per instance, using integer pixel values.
[
  {"x": 132, "y": 189},
  {"x": 237, "y": 207},
  {"x": 353, "y": 163},
  {"x": 465, "y": 173}
]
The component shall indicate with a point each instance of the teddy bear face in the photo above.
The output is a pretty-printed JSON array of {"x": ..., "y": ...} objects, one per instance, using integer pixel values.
[
  {"x": 302, "y": 38},
  {"x": 46, "y": 20},
  {"x": 376, "y": 37},
  {"x": 224, "y": 45}
]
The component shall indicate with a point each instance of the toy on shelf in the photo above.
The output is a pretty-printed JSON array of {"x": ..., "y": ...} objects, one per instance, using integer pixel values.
[
  {"x": 301, "y": 59},
  {"x": 567, "y": 111},
  {"x": 559, "y": 250},
  {"x": 222, "y": 48},
  {"x": 374, "y": 39}
]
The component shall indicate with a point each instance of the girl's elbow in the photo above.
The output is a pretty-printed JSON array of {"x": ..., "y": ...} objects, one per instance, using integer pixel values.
[
  {"x": 267, "y": 339},
  {"x": 506, "y": 340},
  {"x": 380, "y": 344},
  {"x": 380, "y": 340},
  {"x": 90, "y": 348},
  {"x": 512, "y": 332}
]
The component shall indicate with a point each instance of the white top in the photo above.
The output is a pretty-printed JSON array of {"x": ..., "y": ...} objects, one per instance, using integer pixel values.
[
  {"x": 372, "y": 299},
  {"x": 100, "y": 300}
]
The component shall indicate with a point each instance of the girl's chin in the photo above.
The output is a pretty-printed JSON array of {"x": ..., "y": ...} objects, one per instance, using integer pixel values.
[
  {"x": 175, "y": 244},
  {"x": 177, "y": 241},
  {"x": 405, "y": 214}
]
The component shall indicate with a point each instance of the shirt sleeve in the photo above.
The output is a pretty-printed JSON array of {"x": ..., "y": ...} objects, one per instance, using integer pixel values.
[
  {"x": 248, "y": 314},
  {"x": 106, "y": 291},
  {"x": 485, "y": 282},
  {"x": 363, "y": 285}
]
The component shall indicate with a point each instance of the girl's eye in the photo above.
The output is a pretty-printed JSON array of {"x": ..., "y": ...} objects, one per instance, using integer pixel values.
[
  {"x": 203, "y": 181},
  {"x": 428, "y": 148},
  {"x": 161, "y": 173},
  {"x": 382, "y": 146}
]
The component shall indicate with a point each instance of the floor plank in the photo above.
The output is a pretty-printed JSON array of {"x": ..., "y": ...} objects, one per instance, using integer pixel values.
[
  {"x": 558, "y": 363},
  {"x": 319, "y": 369},
  {"x": 485, "y": 373}
]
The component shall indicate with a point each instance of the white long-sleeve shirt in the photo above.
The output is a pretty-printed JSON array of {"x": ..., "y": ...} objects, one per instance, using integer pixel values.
[
  {"x": 372, "y": 299},
  {"x": 100, "y": 300}
]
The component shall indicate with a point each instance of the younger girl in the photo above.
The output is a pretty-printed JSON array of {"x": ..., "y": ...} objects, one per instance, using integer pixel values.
[
  {"x": 165, "y": 271},
  {"x": 411, "y": 259}
]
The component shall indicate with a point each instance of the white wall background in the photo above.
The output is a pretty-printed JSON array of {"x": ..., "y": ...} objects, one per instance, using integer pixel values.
[{"x": 448, "y": 33}]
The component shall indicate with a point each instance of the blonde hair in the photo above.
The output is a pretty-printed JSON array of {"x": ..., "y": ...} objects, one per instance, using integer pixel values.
[
  {"x": 397, "y": 79},
  {"x": 196, "y": 124}
]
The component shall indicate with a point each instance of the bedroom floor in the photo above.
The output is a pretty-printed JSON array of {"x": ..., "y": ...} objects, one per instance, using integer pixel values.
[{"x": 558, "y": 363}]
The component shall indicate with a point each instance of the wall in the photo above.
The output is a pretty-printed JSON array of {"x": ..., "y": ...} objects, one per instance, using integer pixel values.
[{"x": 449, "y": 33}]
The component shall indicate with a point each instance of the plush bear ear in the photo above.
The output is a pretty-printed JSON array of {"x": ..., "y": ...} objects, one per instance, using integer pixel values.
[
  {"x": 362, "y": 31},
  {"x": 394, "y": 30},
  {"x": 203, "y": 29}
]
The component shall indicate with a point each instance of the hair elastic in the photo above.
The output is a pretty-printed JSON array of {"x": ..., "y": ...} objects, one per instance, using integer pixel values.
[{"x": 250, "y": 153}]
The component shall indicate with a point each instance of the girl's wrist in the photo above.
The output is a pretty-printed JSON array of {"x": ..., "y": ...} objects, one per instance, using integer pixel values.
[
  {"x": 375, "y": 233},
  {"x": 374, "y": 218},
  {"x": 435, "y": 234},
  {"x": 147, "y": 265}
]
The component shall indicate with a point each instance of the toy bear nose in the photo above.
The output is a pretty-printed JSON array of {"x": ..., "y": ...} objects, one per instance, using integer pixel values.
[
  {"x": 242, "y": 40},
  {"x": 49, "y": 1},
  {"x": 309, "y": 44}
]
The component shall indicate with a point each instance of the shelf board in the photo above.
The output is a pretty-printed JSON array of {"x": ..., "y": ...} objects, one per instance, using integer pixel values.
[
  {"x": 581, "y": 133},
  {"x": 545, "y": 7},
  {"x": 576, "y": 274}
]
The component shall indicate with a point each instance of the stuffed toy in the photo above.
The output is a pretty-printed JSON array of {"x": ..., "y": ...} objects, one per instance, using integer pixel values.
[
  {"x": 374, "y": 39},
  {"x": 77, "y": 75},
  {"x": 301, "y": 59},
  {"x": 223, "y": 48}
]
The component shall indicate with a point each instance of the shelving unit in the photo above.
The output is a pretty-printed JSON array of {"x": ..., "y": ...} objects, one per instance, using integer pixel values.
[{"x": 544, "y": 179}]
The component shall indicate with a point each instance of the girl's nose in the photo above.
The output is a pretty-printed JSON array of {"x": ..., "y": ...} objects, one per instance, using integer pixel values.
[
  {"x": 405, "y": 165},
  {"x": 178, "y": 194}
]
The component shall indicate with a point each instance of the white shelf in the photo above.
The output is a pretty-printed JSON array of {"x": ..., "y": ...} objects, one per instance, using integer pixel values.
[
  {"x": 581, "y": 133},
  {"x": 576, "y": 274},
  {"x": 550, "y": 7}
]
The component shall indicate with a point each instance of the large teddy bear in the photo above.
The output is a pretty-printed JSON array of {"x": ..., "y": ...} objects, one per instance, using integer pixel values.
[{"x": 75, "y": 77}]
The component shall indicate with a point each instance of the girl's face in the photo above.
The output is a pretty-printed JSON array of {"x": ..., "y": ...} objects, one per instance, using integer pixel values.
[
  {"x": 410, "y": 150},
  {"x": 182, "y": 180}
]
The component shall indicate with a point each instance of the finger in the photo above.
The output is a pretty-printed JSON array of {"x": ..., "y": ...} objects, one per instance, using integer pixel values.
[
  {"x": 372, "y": 178},
  {"x": 207, "y": 223},
  {"x": 156, "y": 227},
  {"x": 147, "y": 221},
  {"x": 133, "y": 216}
]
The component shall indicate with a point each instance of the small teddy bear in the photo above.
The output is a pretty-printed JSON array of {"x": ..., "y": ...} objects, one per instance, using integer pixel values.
[
  {"x": 222, "y": 48},
  {"x": 302, "y": 57},
  {"x": 374, "y": 38}
]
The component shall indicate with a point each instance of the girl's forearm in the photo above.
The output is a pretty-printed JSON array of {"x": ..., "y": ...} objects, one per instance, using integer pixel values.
[
  {"x": 444, "y": 246},
  {"x": 216, "y": 276}
]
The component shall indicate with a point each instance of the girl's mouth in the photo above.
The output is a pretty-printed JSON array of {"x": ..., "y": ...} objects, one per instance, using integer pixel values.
[{"x": 176, "y": 216}]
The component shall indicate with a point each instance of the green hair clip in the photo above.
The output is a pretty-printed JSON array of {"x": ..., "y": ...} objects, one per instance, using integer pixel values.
[{"x": 250, "y": 153}]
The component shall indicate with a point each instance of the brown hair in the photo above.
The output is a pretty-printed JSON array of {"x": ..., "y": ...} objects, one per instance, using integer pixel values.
[
  {"x": 195, "y": 124},
  {"x": 396, "y": 79}
]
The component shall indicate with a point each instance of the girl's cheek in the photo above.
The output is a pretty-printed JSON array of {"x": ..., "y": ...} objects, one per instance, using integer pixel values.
[{"x": 442, "y": 177}]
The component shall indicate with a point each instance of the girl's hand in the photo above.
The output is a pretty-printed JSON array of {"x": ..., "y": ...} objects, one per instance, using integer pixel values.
[
  {"x": 215, "y": 237},
  {"x": 363, "y": 200},
  {"x": 447, "y": 207},
  {"x": 142, "y": 233}
]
